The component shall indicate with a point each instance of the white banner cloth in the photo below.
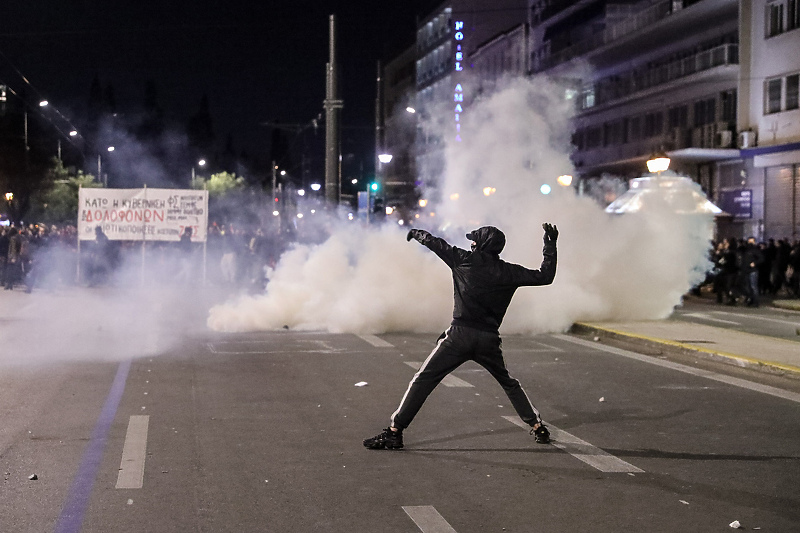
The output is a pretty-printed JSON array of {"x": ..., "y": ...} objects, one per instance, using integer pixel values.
[{"x": 142, "y": 214}]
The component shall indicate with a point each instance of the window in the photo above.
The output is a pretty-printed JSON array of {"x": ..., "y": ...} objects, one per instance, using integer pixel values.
[
  {"x": 728, "y": 99},
  {"x": 653, "y": 124},
  {"x": 774, "y": 95},
  {"x": 792, "y": 89},
  {"x": 782, "y": 16},
  {"x": 634, "y": 129},
  {"x": 678, "y": 117},
  {"x": 705, "y": 112},
  {"x": 774, "y": 19}
]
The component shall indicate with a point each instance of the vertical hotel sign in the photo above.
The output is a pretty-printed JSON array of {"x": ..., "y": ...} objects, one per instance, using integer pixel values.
[{"x": 458, "y": 91}]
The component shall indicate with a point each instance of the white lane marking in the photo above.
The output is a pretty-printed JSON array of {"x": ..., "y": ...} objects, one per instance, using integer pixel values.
[
  {"x": 582, "y": 450},
  {"x": 376, "y": 341},
  {"x": 736, "y": 382},
  {"x": 134, "y": 452},
  {"x": 428, "y": 519},
  {"x": 268, "y": 347},
  {"x": 448, "y": 381},
  {"x": 709, "y": 318},
  {"x": 756, "y": 317}
]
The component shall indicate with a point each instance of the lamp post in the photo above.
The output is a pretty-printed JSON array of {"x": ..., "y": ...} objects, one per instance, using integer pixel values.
[
  {"x": 200, "y": 163},
  {"x": 100, "y": 168}
]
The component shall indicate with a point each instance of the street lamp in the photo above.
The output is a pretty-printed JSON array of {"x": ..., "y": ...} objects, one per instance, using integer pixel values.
[
  {"x": 658, "y": 163},
  {"x": 100, "y": 167},
  {"x": 385, "y": 158},
  {"x": 565, "y": 180},
  {"x": 200, "y": 163}
]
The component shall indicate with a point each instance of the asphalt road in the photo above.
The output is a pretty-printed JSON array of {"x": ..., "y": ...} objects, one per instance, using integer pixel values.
[{"x": 262, "y": 432}]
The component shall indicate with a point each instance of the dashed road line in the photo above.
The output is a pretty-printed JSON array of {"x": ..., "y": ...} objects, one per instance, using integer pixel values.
[
  {"x": 709, "y": 318},
  {"x": 376, "y": 341},
  {"x": 428, "y": 519},
  {"x": 448, "y": 381},
  {"x": 134, "y": 452},
  {"x": 582, "y": 450}
]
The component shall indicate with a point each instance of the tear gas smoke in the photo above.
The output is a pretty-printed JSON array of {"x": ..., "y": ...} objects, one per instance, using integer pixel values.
[{"x": 370, "y": 280}]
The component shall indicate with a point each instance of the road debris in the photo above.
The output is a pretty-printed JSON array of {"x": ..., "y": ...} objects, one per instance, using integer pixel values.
[
  {"x": 361, "y": 384},
  {"x": 736, "y": 524},
  {"x": 33, "y": 477}
]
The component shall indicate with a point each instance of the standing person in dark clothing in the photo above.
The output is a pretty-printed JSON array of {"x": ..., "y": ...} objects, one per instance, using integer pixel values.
[
  {"x": 751, "y": 262},
  {"x": 730, "y": 270},
  {"x": 483, "y": 287},
  {"x": 4, "y": 240},
  {"x": 185, "y": 272},
  {"x": 14, "y": 270}
]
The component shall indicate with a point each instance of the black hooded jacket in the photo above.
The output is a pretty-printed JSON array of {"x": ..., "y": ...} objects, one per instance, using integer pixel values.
[{"x": 483, "y": 283}]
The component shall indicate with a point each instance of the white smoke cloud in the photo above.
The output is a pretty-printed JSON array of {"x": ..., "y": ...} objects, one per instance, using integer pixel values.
[{"x": 370, "y": 280}]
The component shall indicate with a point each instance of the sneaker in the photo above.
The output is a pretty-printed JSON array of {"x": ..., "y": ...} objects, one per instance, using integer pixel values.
[
  {"x": 392, "y": 440},
  {"x": 541, "y": 434}
]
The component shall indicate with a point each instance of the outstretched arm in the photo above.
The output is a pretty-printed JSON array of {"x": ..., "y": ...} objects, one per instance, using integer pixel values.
[
  {"x": 437, "y": 245},
  {"x": 547, "y": 271}
]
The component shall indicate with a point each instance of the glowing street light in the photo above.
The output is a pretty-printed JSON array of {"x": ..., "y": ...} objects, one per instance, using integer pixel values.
[
  {"x": 43, "y": 103},
  {"x": 9, "y": 196},
  {"x": 564, "y": 180},
  {"x": 423, "y": 202},
  {"x": 111, "y": 148},
  {"x": 411, "y": 110},
  {"x": 658, "y": 163},
  {"x": 73, "y": 133},
  {"x": 316, "y": 186},
  {"x": 301, "y": 192},
  {"x": 545, "y": 189},
  {"x": 488, "y": 191},
  {"x": 385, "y": 158}
]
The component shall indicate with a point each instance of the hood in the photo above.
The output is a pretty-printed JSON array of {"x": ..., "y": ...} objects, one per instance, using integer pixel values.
[{"x": 488, "y": 239}]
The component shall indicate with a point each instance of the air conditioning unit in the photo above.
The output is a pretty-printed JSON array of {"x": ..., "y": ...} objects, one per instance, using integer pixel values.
[
  {"x": 747, "y": 139},
  {"x": 724, "y": 139}
]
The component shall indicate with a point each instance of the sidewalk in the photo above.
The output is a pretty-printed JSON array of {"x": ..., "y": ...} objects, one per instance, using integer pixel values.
[{"x": 734, "y": 347}]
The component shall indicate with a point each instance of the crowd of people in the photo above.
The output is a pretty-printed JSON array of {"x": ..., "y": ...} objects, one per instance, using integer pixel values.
[
  {"x": 746, "y": 270},
  {"x": 49, "y": 256},
  {"x": 242, "y": 256}
]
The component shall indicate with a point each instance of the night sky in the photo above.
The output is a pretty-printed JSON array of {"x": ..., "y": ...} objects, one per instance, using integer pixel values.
[{"x": 256, "y": 60}]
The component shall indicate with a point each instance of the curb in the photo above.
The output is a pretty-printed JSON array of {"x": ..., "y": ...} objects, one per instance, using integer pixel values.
[
  {"x": 791, "y": 305},
  {"x": 724, "y": 357}
]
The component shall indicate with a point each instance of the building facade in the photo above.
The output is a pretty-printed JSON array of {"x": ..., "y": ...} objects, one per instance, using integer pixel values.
[{"x": 712, "y": 83}]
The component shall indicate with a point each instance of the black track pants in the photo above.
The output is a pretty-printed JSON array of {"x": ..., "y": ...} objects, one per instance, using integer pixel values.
[{"x": 459, "y": 345}]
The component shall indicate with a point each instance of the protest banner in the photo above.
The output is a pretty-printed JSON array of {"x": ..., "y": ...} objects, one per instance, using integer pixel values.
[{"x": 142, "y": 214}]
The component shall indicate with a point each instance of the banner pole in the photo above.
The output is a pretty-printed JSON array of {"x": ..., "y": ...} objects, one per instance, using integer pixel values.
[
  {"x": 144, "y": 237},
  {"x": 78, "y": 234},
  {"x": 205, "y": 242}
]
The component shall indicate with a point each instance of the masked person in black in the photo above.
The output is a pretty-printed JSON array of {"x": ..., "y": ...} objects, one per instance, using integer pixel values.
[{"x": 483, "y": 287}]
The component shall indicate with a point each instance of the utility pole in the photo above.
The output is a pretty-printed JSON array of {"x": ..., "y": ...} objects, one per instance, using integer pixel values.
[{"x": 333, "y": 177}]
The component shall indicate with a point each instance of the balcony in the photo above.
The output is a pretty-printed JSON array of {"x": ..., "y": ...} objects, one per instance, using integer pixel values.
[
  {"x": 609, "y": 90},
  {"x": 645, "y": 30}
]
